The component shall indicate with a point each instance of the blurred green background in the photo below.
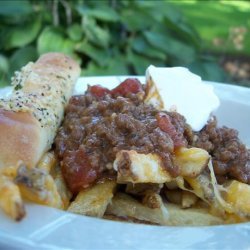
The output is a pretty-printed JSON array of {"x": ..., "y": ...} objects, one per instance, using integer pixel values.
[{"x": 115, "y": 37}]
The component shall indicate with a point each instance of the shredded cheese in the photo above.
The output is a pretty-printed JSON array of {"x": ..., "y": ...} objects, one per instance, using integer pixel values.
[
  {"x": 216, "y": 201},
  {"x": 218, "y": 198}
]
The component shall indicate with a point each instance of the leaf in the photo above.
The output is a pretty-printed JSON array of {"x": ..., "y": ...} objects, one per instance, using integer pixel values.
[
  {"x": 100, "y": 56},
  {"x": 183, "y": 32},
  {"x": 75, "y": 32},
  {"x": 172, "y": 13},
  {"x": 3, "y": 80},
  {"x": 209, "y": 71},
  {"x": 155, "y": 9},
  {"x": 20, "y": 36},
  {"x": 4, "y": 64},
  {"x": 21, "y": 57},
  {"x": 117, "y": 66},
  {"x": 142, "y": 47},
  {"x": 15, "y": 7},
  {"x": 53, "y": 40},
  {"x": 4, "y": 67},
  {"x": 135, "y": 20},
  {"x": 159, "y": 9},
  {"x": 157, "y": 40},
  {"x": 95, "y": 33},
  {"x": 103, "y": 13},
  {"x": 173, "y": 47},
  {"x": 140, "y": 63}
]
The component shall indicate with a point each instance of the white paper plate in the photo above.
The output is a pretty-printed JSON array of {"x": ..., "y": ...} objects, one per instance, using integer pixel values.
[{"x": 48, "y": 228}]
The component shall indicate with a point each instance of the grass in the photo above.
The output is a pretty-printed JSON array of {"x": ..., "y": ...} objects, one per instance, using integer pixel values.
[{"x": 215, "y": 21}]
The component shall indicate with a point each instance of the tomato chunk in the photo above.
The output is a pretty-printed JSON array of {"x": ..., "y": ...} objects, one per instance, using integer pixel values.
[
  {"x": 77, "y": 170},
  {"x": 99, "y": 91},
  {"x": 131, "y": 85},
  {"x": 165, "y": 124}
]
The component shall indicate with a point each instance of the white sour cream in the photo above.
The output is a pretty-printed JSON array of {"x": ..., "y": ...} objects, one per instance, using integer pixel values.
[{"x": 185, "y": 93}]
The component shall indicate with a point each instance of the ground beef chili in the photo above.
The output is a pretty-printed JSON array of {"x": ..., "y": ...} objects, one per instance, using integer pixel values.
[
  {"x": 231, "y": 158},
  {"x": 102, "y": 122}
]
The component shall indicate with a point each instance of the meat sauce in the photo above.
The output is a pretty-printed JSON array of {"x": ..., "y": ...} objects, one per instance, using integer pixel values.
[
  {"x": 102, "y": 122},
  {"x": 231, "y": 158}
]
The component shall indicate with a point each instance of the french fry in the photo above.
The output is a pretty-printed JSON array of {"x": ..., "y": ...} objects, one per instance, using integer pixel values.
[
  {"x": 93, "y": 201},
  {"x": 48, "y": 162},
  {"x": 9, "y": 172},
  {"x": 171, "y": 185},
  {"x": 205, "y": 186},
  {"x": 140, "y": 168},
  {"x": 188, "y": 199},
  {"x": 181, "y": 197},
  {"x": 10, "y": 199},
  {"x": 62, "y": 189},
  {"x": 38, "y": 186},
  {"x": 191, "y": 216},
  {"x": 152, "y": 95},
  {"x": 122, "y": 219},
  {"x": 191, "y": 161},
  {"x": 238, "y": 195},
  {"x": 147, "y": 168},
  {"x": 201, "y": 186},
  {"x": 126, "y": 207}
]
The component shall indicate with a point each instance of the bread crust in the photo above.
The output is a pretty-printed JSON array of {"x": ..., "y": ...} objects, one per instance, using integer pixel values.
[
  {"x": 29, "y": 118},
  {"x": 20, "y": 138}
]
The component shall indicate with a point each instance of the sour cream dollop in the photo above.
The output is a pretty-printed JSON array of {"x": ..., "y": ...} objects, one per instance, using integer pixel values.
[{"x": 184, "y": 92}]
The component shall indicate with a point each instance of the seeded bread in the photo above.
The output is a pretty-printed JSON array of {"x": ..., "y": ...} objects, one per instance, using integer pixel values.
[{"x": 30, "y": 116}]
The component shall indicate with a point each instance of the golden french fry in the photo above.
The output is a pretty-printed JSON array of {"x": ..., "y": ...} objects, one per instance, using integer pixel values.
[
  {"x": 62, "y": 189},
  {"x": 238, "y": 196},
  {"x": 152, "y": 95},
  {"x": 38, "y": 186},
  {"x": 47, "y": 162},
  {"x": 201, "y": 186},
  {"x": 171, "y": 185},
  {"x": 191, "y": 161},
  {"x": 181, "y": 197},
  {"x": 116, "y": 218},
  {"x": 191, "y": 216},
  {"x": 188, "y": 199},
  {"x": 205, "y": 186},
  {"x": 124, "y": 206},
  {"x": 9, "y": 171},
  {"x": 93, "y": 201},
  {"x": 140, "y": 168},
  {"x": 10, "y": 199}
]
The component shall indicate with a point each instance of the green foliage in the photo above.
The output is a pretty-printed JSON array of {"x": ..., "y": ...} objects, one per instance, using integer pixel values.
[
  {"x": 21, "y": 56},
  {"x": 10, "y": 8},
  {"x": 225, "y": 17},
  {"x": 107, "y": 37},
  {"x": 22, "y": 35},
  {"x": 53, "y": 39}
]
